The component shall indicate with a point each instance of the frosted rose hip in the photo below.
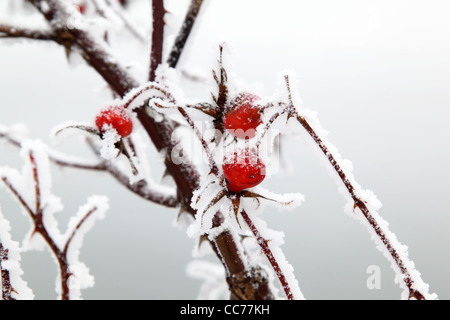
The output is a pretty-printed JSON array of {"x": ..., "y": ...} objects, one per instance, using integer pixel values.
[
  {"x": 117, "y": 118},
  {"x": 243, "y": 170},
  {"x": 244, "y": 117}
]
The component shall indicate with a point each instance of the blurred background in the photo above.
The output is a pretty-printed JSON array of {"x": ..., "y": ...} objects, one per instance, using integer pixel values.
[{"x": 377, "y": 73}]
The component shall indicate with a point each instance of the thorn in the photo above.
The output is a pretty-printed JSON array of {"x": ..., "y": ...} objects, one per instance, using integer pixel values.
[
  {"x": 201, "y": 240},
  {"x": 289, "y": 116},
  {"x": 236, "y": 203},
  {"x": 215, "y": 77},
  {"x": 67, "y": 51},
  {"x": 165, "y": 174},
  {"x": 266, "y": 242},
  {"x": 180, "y": 212},
  {"x": 224, "y": 75},
  {"x": 35, "y": 230}
]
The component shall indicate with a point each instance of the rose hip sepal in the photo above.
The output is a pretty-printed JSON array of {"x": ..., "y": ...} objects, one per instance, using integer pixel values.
[
  {"x": 244, "y": 116},
  {"x": 243, "y": 170}
]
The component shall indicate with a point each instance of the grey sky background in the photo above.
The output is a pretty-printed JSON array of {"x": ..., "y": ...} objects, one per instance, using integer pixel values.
[{"x": 377, "y": 73}]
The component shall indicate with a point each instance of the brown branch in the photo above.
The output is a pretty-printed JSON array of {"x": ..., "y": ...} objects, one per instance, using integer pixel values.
[
  {"x": 140, "y": 188},
  {"x": 263, "y": 243},
  {"x": 7, "y": 289},
  {"x": 37, "y": 217},
  {"x": 244, "y": 283},
  {"x": 358, "y": 203},
  {"x": 185, "y": 175},
  {"x": 9, "y": 31},
  {"x": 78, "y": 226},
  {"x": 184, "y": 33},
  {"x": 40, "y": 228},
  {"x": 19, "y": 197},
  {"x": 156, "y": 52}
]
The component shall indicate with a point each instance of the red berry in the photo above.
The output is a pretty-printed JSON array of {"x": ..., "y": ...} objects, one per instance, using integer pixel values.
[
  {"x": 81, "y": 7},
  {"x": 243, "y": 170},
  {"x": 115, "y": 117},
  {"x": 244, "y": 117}
]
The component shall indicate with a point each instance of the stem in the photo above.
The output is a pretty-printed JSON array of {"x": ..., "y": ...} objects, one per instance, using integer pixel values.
[
  {"x": 358, "y": 203},
  {"x": 263, "y": 243},
  {"x": 158, "y": 12},
  {"x": 4, "y": 276},
  {"x": 212, "y": 163},
  {"x": 8, "y": 31},
  {"x": 184, "y": 33},
  {"x": 185, "y": 175},
  {"x": 37, "y": 218}
]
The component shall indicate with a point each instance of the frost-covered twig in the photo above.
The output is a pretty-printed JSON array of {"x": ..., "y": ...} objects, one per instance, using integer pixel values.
[
  {"x": 184, "y": 33},
  {"x": 10, "y": 31},
  {"x": 11, "y": 283},
  {"x": 264, "y": 244},
  {"x": 37, "y": 176},
  {"x": 59, "y": 14},
  {"x": 212, "y": 163},
  {"x": 245, "y": 281},
  {"x": 389, "y": 244},
  {"x": 185, "y": 175},
  {"x": 5, "y": 284},
  {"x": 140, "y": 188}
]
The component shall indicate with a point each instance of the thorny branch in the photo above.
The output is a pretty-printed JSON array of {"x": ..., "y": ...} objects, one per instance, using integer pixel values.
[
  {"x": 263, "y": 243},
  {"x": 37, "y": 217},
  {"x": 184, "y": 33},
  {"x": 185, "y": 175},
  {"x": 7, "y": 289},
  {"x": 358, "y": 203},
  {"x": 9, "y": 31},
  {"x": 141, "y": 188}
]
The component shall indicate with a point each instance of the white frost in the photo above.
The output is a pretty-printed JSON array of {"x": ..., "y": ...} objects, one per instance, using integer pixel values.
[
  {"x": 214, "y": 286},
  {"x": 20, "y": 291},
  {"x": 367, "y": 196}
]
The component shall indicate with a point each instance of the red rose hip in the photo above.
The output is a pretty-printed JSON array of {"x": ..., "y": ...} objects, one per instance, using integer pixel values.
[
  {"x": 243, "y": 170},
  {"x": 81, "y": 7},
  {"x": 115, "y": 117},
  {"x": 244, "y": 116}
]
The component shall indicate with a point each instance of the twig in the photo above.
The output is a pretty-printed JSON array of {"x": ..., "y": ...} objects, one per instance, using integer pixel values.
[
  {"x": 263, "y": 243},
  {"x": 212, "y": 163},
  {"x": 7, "y": 289},
  {"x": 184, "y": 33},
  {"x": 156, "y": 51},
  {"x": 79, "y": 225},
  {"x": 358, "y": 202},
  {"x": 37, "y": 216},
  {"x": 140, "y": 188},
  {"x": 9, "y": 31},
  {"x": 185, "y": 175}
]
